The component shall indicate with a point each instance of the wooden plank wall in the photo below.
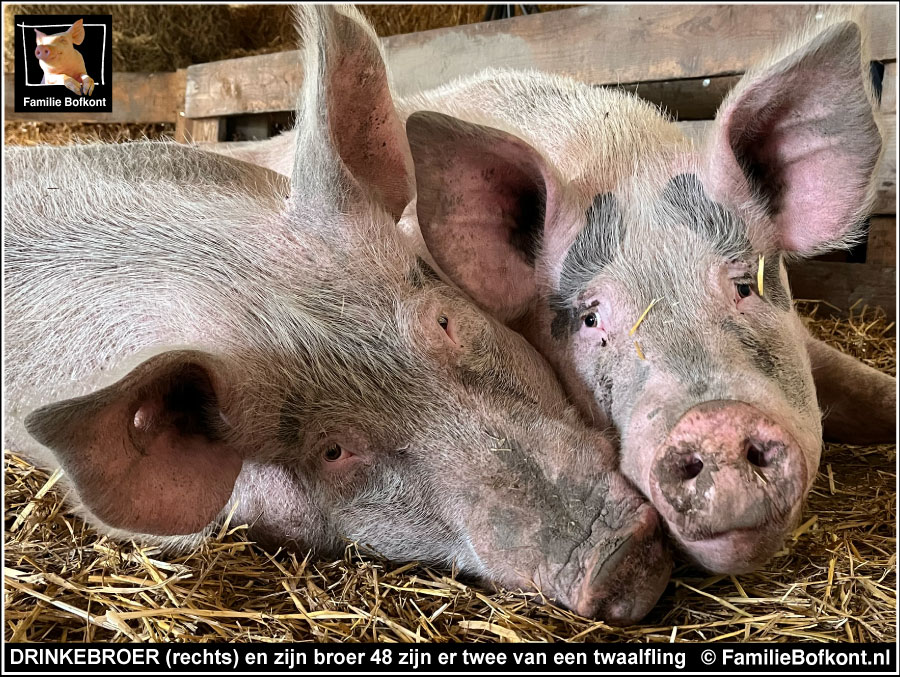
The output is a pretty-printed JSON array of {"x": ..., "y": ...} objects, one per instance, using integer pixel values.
[
  {"x": 584, "y": 43},
  {"x": 137, "y": 98},
  {"x": 663, "y": 64},
  {"x": 684, "y": 58}
]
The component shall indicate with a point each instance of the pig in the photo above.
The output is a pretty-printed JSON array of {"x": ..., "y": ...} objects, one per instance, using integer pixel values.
[
  {"x": 61, "y": 62},
  {"x": 650, "y": 272},
  {"x": 191, "y": 337}
]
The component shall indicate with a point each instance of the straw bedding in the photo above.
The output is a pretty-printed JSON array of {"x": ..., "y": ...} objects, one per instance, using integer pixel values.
[{"x": 834, "y": 580}]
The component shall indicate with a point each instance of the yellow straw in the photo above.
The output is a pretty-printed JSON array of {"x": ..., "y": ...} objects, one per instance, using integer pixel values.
[
  {"x": 637, "y": 346},
  {"x": 759, "y": 273},
  {"x": 641, "y": 318}
]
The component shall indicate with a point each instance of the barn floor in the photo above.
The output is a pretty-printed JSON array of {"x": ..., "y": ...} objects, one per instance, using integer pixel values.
[{"x": 834, "y": 581}]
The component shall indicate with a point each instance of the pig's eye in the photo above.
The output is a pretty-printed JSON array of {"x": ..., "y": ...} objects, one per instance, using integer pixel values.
[
  {"x": 334, "y": 453},
  {"x": 444, "y": 322},
  {"x": 743, "y": 289},
  {"x": 591, "y": 320}
]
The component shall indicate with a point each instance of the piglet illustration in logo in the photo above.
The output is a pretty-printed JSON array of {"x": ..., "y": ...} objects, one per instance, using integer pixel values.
[{"x": 61, "y": 62}]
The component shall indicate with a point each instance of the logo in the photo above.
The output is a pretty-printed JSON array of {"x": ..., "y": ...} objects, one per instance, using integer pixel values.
[{"x": 63, "y": 63}]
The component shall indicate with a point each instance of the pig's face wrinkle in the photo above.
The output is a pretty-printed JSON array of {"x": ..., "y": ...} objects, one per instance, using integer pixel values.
[{"x": 770, "y": 355}]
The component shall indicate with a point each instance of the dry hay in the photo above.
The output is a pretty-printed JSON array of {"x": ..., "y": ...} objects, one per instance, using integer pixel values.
[
  {"x": 834, "y": 581},
  {"x": 26, "y": 133},
  {"x": 154, "y": 38}
]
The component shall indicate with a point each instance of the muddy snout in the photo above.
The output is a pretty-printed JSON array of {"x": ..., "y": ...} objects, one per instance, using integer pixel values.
[
  {"x": 729, "y": 482},
  {"x": 626, "y": 576}
]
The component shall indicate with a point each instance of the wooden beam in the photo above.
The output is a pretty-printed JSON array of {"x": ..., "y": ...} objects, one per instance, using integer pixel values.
[
  {"x": 843, "y": 284},
  {"x": 881, "y": 246},
  {"x": 199, "y": 130},
  {"x": 137, "y": 97},
  {"x": 251, "y": 84},
  {"x": 889, "y": 89},
  {"x": 699, "y": 98},
  {"x": 691, "y": 99},
  {"x": 597, "y": 44}
]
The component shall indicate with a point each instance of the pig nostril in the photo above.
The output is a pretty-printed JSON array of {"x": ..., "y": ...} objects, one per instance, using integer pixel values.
[
  {"x": 691, "y": 467},
  {"x": 757, "y": 455}
]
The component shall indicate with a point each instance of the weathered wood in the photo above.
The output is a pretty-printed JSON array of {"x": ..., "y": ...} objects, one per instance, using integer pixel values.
[
  {"x": 886, "y": 190},
  {"x": 886, "y": 196},
  {"x": 889, "y": 89},
  {"x": 843, "y": 284},
  {"x": 699, "y": 98},
  {"x": 200, "y": 130},
  {"x": 137, "y": 98},
  {"x": 881, "y": 246},
  {"x": 691, "y": 99},
  {"x": 598, "y": 44},
  {"x": 252, "y": 84}
]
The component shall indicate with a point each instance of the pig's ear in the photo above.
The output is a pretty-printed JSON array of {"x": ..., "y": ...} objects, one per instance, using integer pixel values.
[
  {"x": 76, "y": 32},
  {"x": 798, "y": 138},
  {"x": 349, "y": 134},
  {"x": 481, "y": 198},
  {"x": 40, "y": 36},
  {"x": 148, "y": 453}
]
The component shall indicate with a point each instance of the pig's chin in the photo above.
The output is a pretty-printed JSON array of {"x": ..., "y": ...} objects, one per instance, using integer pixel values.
[{"x": 737, "y": 551}]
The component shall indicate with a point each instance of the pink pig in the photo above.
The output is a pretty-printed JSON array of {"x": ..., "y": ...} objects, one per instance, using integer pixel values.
[{"x": 61, "y": 62}]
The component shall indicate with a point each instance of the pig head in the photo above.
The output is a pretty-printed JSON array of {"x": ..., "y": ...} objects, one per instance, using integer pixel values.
[
  {"x": 190, "y": 337},
  {"x": 61, "y": 62},
  {"x": 857, "y": 402},
  {"x": 651, "y": 272}
]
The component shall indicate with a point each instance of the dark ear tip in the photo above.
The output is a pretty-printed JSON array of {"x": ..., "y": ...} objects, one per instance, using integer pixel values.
[
  {"x": 41, "y": 422},
  {"x": 847, "y": 33},
  {"x": 419, "y": 122}
]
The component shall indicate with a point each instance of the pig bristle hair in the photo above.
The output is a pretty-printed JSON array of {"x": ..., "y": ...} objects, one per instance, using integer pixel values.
[{"x": 288, "y": 334}]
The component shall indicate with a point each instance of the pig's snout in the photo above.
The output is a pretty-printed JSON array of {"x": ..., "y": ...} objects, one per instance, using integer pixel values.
[
  {"x": 43, "y": 53},
  {"x": 729, "y": 482},
  {"x": 624, "y": 581}
]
